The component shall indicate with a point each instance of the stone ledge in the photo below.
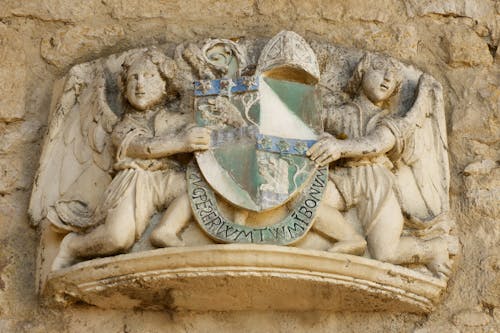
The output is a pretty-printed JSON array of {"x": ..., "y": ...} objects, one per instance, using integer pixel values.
[{"x": 244, "y": 277}]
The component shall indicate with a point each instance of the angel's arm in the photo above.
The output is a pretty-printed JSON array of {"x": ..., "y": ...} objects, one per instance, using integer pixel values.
[
  {"x": 137, "y": 142},
  {"x": 329, "y": 148},
  {"x": 389, "y": 135},
  {"x": 403, "y": 127}
]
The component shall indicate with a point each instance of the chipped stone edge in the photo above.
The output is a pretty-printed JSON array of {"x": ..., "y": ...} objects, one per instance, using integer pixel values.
[{"x": 79, "y": 282}]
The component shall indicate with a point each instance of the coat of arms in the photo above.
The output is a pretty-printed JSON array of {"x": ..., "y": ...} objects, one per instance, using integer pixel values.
[
  {"x": 124, "y": 130},
  {"x": 138, "y": 156},
  {"x": 262, "y": 126}
]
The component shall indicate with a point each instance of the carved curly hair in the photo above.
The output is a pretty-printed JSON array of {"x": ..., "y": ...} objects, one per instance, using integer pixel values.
[
  {"x": 166, "y": 67},
  {"x": 374, "y": 61}
]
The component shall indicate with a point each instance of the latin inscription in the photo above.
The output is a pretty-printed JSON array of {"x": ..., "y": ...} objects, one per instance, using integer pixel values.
[{"x": 290, "y": 229}]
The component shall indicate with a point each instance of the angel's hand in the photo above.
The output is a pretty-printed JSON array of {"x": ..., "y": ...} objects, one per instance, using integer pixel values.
[
  {"x": 196, "y": 138},
  {"x": 325, "y": 151},
  {"x": 425, "y": 81}
]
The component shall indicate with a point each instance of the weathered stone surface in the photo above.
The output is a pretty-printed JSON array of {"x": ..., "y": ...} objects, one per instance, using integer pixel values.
[
  {"x": 481, "y": 10},
  {"x": 186, "y": 283},
  {"x": 483, "y": 167},
  {"x": 466, "y": 48},
  {"x": 52, "y": 10},
  {"x": 311, "y": 9},
  {"x": 178, "y": 9},
  {"x": 472, "y": 103},
  {"x": 403, "y": 39},
  {"x": 280, "y": 9},
  {"x": 490, "y": 268},
  {"x": 17, "y": 171},
  {"x": 9, "y": 172},
  {"x": 7, "y": 325},
  {"x": 483, "y": 187},
  {"x": 481, "y": 13},
  {"x": 496, "y": 315},
  {"x": 70, "y": 46},
  {"x": 18, "y": 135},
  {"x": 471, "y": 318},
  {"x": 12, "y": 75},
  {"x": 370, "y": 12},
  {"x": 443, "y": 327}
]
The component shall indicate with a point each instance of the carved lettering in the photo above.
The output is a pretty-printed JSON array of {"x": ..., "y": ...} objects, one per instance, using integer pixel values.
[
  {"x": 294, "y": 229},
  {"x": 306, "y": 212},
  {"x": 245, "y": 234},
  {"x": 294, "y": 226}
]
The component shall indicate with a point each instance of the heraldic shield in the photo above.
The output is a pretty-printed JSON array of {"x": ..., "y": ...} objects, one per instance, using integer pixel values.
[{"x": 262, "y": 128}]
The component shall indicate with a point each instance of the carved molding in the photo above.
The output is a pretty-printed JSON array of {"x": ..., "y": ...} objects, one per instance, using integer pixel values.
[{"x": 244, "y": 277}]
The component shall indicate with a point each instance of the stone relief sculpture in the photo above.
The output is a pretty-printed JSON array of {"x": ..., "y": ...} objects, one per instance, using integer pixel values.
[
  {"x": 230, "y": 142},
  {"x": 221, "y": 59},
  {"x": 146, "y": 178},
  {"x": 372, "y": 139}
]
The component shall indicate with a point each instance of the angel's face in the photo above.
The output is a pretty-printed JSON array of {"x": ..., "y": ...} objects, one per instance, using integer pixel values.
[
  {"x": 145, "y": 86},
  {"x": 379, "y": 81}
]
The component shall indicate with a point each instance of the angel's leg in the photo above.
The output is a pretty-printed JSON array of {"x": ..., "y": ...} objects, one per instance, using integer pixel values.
[
  {"x": 386, "y": 244},
  {"x": 114, "y": 236},
  {"x": 331, "y": 223},
  {"x": 175, "y": 218},
  {"x": 385, "y": 234}
]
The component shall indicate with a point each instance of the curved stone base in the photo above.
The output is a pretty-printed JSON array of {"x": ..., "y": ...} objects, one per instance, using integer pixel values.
[{"x": 241, "y": 277}]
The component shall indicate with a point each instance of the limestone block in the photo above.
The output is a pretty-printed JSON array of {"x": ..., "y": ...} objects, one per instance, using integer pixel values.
[
  {"x": 483, "y": 167},
  {"x": 17, "y": 135},
  {"x": 67, "y": 46},
  {"x": 406, "y": 38},
  {"x": 7, "y": 325},
  {"x": 282, "y": 9},
  {"x": 481, "y": 12},
  {"x": 441, "y": 327},
  {"x": 369, "y": 11},
  {"x": 12, "y": 206},
  {"x": 9, "y": 172},
  {"x": 358, "y": 10},
  {"x": 12, "y": 75},
  {"x": 490, "y": 269},
  {"x": 496, "y": 315},
  {"x": 474, "y": 121},
  {"x": 16, "y": 171},
  {"x": 476, "y": 9},
  {"x": 310, "y": 9},
  {"x": 178, "y": 9},
  {"x": 52, "y": 10},
  {"x": 471, "y": 318},
  {"x": 332, "y": 10},
  {"x": 466, "y": 48},
  {"x": 399, "y": 40},
  {"x": 483, "y": 187}
]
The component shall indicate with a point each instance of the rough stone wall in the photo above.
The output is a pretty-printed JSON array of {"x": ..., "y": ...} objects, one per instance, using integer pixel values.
[{"x": 454, "y": 40}]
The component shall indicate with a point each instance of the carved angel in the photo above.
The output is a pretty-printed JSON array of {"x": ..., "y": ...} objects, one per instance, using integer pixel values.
[
  {"x": 104, "y": 174},
  {"x": 218, "y": 58},
  {"x": 389, "y": 165}
]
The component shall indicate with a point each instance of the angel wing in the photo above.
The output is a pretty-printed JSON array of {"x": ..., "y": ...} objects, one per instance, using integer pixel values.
[
  {"x": 77, "y": 155},
  {"x": 423, "y": 177}
]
